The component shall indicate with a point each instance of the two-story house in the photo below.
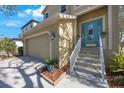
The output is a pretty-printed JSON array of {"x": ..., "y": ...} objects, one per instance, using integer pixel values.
[
  {"x": 69, "y": 31},
  {"x": 29, "y": 25}
]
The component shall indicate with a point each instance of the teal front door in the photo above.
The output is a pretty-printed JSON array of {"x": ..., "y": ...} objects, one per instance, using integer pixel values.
[{"x": 90, "y": 32}]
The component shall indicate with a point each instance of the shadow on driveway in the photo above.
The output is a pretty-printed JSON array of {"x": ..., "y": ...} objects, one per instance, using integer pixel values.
[
  {"x": 25, "y": 68},
  {"x": 4, "y": 85}
]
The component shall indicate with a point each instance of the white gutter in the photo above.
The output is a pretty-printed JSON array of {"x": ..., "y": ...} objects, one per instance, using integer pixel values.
[{"x": 46, "y": 32}]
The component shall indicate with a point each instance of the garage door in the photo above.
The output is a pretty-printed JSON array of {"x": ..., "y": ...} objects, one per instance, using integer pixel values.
[{"x": 38, "y": 46}]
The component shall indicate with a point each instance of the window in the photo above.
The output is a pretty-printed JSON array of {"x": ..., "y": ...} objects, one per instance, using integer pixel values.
[
  {"x": 31, "y": 25},
  {"x": 90, "y": 32},
  {"x": 46, "y": 15},
  {"x": 25, "y": 28},
  {"x": 63, "y": 8}
]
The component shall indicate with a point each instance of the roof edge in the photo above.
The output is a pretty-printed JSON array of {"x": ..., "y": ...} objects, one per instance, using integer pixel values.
[{"x": 32, "y": 20}]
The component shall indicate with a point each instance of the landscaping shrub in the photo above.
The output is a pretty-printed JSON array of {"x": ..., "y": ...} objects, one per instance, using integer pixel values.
[
  {"x": 52, "y": 61},
  {"x": 8, "y": 46},
  {"x": 117, "y": 62},
  {"x": 119, "y": 80},
  {"x": 20, "y": 51}
]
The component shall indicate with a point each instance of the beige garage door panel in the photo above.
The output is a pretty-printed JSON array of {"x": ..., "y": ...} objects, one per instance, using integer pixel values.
[{"x": 38, "y": 46}]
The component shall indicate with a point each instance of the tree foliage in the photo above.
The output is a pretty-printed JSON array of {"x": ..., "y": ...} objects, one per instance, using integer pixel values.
[
  {"x": 8, "y": 46},
  {"x": 8, "y": 10},
  {"x": 0, "y": 46}
]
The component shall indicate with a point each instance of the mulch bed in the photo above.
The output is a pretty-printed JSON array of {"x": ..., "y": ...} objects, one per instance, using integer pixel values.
[
  {"x": 54, "y": 77},
  {"x": 110, "y": 78}
]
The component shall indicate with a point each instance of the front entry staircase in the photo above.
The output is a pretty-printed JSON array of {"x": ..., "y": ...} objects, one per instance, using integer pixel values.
[{"x": 88, "y": 63}]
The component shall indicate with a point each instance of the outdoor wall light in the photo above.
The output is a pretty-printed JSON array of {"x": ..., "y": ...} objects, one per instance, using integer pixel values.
[{"x": 52, "y": 36}]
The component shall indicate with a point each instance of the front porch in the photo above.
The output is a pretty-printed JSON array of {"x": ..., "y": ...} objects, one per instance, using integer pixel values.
[{"x": 89, "y": 54}]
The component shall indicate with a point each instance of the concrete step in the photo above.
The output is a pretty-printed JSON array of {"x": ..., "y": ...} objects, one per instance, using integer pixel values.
[
  {"x": 87, "y": 76},
  {"x": 88, "y": 59},
  {"x": 89, "y": 50},
  {"x": 87, "y": 64},
  {"x": 88, "y": 70},
  {"x": 89, "y": 55}
]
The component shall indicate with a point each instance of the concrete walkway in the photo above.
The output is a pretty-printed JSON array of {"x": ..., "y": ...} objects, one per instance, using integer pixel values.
[{"x": 20, "y": 72}]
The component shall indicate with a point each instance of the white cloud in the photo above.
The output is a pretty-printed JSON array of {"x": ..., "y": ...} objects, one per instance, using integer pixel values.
[
  {"x": 13, "y": 23},
  {"x": 21, "y": 15},
  {"x": 32, "y": 12}
]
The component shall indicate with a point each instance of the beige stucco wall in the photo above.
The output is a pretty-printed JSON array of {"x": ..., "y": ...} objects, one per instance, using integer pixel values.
[
  {"x": 51, "y": 10},
  {"x": 62, "y": 44},
  {"x": 65, "y": 40},
  {"x": 54, "y": 9},
  {"x": 115, "y": 29},
  {"x": 39, "y": 46}
]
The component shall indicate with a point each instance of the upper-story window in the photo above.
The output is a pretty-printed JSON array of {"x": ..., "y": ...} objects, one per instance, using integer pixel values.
[
  {"x": 46, "y": 15},
  {"x": 31, "y": 25},
  {"x": 63, "y": 8}
]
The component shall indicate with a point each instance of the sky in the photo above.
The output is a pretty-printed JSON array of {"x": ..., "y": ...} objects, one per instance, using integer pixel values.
[{"x": 10, "y": 25}]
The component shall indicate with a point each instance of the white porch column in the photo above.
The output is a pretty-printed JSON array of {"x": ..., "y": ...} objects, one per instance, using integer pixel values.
[{"x": 113, "y": 27}]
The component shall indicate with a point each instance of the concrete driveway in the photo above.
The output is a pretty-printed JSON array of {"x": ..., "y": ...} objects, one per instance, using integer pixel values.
[{"x": 20, "y": 73}]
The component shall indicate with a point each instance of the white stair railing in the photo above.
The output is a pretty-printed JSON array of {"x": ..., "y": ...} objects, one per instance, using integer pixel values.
[
  {"x": 75, "y": 54},
  {"x": 102, "y": 59}
]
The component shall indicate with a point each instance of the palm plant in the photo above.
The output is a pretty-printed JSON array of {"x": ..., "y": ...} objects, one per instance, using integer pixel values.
[{"x": 8, "y": 46}]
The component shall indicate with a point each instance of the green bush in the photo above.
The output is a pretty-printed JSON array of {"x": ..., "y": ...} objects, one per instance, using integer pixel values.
[
  {"x": 103, "y": 34},
  {"x": 117, "y": 62},
  {"x": 52, "y": 61},
  {"x": 8, "y": 46},
  {"x": 20, "y": 51},
  {"x": 119, "y": 80}
]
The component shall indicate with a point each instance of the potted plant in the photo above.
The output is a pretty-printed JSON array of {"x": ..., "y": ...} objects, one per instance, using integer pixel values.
[{"x": 50, "y": 64}]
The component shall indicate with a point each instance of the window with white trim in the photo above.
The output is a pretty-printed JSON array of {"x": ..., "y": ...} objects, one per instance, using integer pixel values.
[
  {"x": 31, "y": 25},
  {"x": 63, "y": 8}
]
